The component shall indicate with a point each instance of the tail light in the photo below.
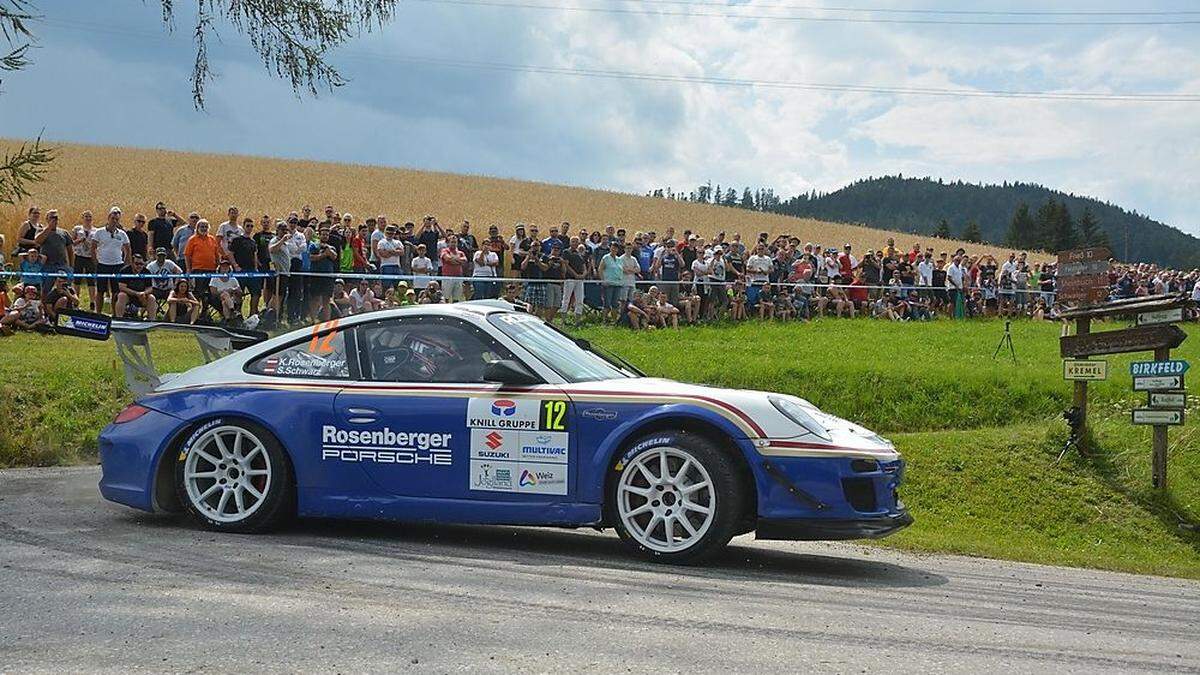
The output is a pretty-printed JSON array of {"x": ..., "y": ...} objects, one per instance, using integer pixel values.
[{"x": 130, "y": 413}]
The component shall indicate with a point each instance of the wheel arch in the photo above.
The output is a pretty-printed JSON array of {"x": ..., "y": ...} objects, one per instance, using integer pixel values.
[
  {"x": 719, "y": 433},
  {"x": 165, "y": 497}
]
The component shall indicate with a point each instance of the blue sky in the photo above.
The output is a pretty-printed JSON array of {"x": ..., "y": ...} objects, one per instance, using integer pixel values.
[{"x": 107, "y": 72}]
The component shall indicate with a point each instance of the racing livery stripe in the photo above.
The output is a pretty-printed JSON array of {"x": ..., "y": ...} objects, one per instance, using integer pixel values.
[
  {"x": 781, "y": 448},
  {"x": 730, "y": 412}
]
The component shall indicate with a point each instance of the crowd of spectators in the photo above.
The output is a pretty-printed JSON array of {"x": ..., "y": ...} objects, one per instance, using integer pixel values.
[{"x": 305, "y": 268}]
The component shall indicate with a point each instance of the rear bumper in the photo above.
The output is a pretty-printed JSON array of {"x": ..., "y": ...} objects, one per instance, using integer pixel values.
[
  {"x": 821, "y": 529},
  {"x": 129, "y": 453}
]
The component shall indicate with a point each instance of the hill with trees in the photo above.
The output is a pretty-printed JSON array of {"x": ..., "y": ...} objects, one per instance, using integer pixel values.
[
  {"x": 1020, "y": 215},
  {"x": 1024, "y": 215}
]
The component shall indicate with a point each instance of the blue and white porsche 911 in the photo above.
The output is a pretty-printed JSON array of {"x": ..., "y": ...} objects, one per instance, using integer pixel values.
[{"x": 479, "y": 412}]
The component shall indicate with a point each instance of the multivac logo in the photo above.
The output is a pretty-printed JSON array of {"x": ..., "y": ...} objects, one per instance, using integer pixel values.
[{"x": 504, "y": 407}]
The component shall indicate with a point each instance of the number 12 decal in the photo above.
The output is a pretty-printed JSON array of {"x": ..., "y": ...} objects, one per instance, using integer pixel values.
[{"x": 554, "y": 416}]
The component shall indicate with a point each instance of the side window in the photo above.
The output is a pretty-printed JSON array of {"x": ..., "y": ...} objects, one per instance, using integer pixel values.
[
  {"x": 426, "y": 350},
  {"x": 321, "y": 356}
]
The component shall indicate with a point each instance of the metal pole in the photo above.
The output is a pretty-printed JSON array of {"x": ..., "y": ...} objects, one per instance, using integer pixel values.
[
  {"x": 1082, "y": 327},
  {"x": 1159, "y": 462}
]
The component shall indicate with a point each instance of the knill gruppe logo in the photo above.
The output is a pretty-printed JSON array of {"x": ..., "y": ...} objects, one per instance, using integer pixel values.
[{"x": 504, "y": 407}]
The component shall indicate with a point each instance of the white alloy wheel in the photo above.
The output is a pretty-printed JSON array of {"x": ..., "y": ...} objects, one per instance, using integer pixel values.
[
  {"x": 666, "y": 499},
  {"x": 227, "y": 474}
]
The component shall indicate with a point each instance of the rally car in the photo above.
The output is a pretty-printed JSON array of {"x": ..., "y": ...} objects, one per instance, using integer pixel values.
[{"x": 479, "y": 412}]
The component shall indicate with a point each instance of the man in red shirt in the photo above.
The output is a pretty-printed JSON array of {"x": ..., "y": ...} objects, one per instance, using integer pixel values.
[
  {"x": 847, "y": 262},
  {"x": 454, "y": 263}
]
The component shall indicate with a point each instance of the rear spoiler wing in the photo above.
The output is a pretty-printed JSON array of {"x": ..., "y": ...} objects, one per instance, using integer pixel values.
[{"x": 133, "y": 342}]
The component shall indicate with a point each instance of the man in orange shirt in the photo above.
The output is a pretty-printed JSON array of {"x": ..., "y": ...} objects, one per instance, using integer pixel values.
[{"x": 201, "y": 254}]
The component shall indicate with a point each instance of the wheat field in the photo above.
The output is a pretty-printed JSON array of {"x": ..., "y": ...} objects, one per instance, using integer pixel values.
[{"x": 97, "y": 177}]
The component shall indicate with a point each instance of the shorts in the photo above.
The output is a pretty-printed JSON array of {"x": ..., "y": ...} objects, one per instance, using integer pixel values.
[
  {"x": 671, "y": 288},
  {"x": 108, "y": 285},
  {"x": 200, "y": 283},
  {"x": 752, "y": 294},
  {"x": 322, "y": 286},
  {"x": 554, "y": 292},
  {"x": 612, "y": 297},
  {"x": 85, "y": 265},
  {"x": 252, "y": 285},
  {"x": 535, "y": 293}
]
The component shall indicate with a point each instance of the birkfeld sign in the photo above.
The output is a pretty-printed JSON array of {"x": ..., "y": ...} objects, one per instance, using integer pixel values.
[{"x": 1157, "y": 368}]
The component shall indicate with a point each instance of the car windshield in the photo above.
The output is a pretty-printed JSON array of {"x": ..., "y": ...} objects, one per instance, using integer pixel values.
[{"x": 574, "y": 360}]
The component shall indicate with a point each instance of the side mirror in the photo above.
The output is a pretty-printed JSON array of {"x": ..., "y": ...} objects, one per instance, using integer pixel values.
[{"x": 507, "y": 371}]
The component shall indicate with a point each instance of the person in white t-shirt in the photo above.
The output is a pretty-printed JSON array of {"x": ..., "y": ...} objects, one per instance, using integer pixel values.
[
  {"x": 85, "y": 264},
  {"x": 925, "y": 270},
  {"x": 422, "y": 268},
  {"x": 758, "y": 269},
  {"x": 110, "y": 250},
  {"x": 487, "y": 267},
  {"x": 161, "y": 268},
  {"x": 228, "y": 230},
  {"x": 361, "y": 298},
  {"x": 226, "y": 290}
]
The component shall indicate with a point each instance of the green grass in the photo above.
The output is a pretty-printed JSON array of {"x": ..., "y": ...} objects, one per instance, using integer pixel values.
[{"x": 981, "y": 435}]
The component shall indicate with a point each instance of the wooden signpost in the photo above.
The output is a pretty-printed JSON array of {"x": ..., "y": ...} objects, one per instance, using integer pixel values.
[{"x": 1161, "y": 378}]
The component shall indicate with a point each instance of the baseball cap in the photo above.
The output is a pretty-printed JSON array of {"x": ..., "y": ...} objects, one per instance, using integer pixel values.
[{"x": 115, "y": 209}]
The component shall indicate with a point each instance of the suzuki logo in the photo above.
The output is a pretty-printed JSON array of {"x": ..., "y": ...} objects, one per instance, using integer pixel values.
[
  {"x": 494, "y": 440},
  {"x": 504, "y": 407}
]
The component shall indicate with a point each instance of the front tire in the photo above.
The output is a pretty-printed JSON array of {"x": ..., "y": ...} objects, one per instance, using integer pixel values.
[
  {"x": 233, "y": 476},
  {"x": 676, "y": 497}
]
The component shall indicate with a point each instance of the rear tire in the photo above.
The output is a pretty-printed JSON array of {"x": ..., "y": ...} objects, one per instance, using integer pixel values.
[
  {"x": 676, "y": 497},
  {"x": 233, "y": 476}
]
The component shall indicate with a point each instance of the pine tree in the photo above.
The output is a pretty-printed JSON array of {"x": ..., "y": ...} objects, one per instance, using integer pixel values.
[
  {"x": 730, "y": 198},
  {"x": 1045, "y": 225},
  {"x": 1020, "y": 228},
  {"x": 1065, "y": 236},
  {"x": 747, "y": 199},
  {"x": 943, "y": 230},
  {"x": 971, "y": 232},
  {"x": 1089, "y": 229}
]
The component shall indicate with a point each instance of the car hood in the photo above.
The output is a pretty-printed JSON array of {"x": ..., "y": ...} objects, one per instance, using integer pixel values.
[{"x": 752, "y": 407}]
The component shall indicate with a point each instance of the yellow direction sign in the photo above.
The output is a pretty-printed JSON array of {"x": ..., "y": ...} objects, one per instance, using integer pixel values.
[{"x": 1085, "y": 369}]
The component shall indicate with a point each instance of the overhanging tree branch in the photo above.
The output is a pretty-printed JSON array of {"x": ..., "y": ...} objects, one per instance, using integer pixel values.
[
  {"x": 292, "y": 37},
  {"x": 27, "y": 165}
]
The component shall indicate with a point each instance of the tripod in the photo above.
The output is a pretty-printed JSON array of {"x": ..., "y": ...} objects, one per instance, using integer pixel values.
[{"x": 1006, "y": 339}]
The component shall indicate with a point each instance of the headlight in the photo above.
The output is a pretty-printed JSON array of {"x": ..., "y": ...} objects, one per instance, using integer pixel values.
[{"x": 796, "y": 413}]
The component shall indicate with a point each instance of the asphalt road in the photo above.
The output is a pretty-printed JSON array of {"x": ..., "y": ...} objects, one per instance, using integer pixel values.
[{"x": 85, "y": 585}]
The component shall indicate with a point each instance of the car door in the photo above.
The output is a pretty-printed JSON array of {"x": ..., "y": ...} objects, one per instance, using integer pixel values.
[
  {"x": 423, "y": 422},
  {"x": 300, "y": 384}
]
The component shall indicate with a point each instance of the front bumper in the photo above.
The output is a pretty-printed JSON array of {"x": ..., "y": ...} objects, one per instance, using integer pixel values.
[
  {"x": 825, "y": 529},
  {"x": 829, "y": 497}
]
